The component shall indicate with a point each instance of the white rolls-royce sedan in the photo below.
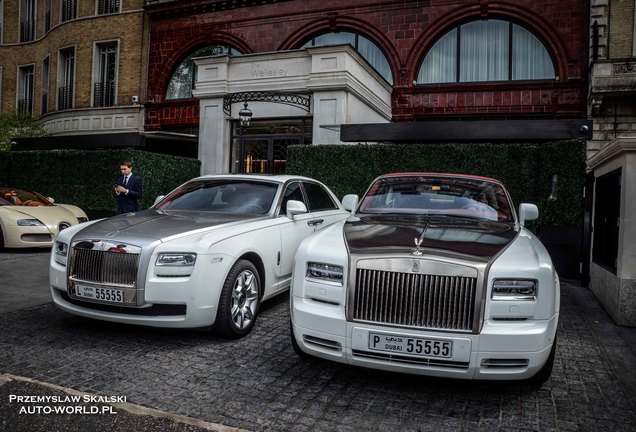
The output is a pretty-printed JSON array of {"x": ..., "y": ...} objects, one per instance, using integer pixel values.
[
  {"x": 434, "y": 274},
  {"x": 204, "y": 255}
]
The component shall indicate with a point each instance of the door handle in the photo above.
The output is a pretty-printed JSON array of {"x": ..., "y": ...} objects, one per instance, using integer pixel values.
[{"x": 315, "y": 222}]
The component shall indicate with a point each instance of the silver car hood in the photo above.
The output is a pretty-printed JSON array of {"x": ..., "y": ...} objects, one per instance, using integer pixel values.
[{"x": 159, "y": 224}]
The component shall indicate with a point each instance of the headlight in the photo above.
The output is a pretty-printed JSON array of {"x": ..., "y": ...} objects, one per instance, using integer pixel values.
[
  {"x": 513, "y": 289},
  {"x": 29, "y": 222},
  {"x": 176, "y": 259},
  {"x": 60, "y": 249},
  {"x": 332, "y": 274}
]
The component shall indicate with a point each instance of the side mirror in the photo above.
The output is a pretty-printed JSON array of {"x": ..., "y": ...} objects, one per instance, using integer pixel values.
[
  {"x": 527, "y": 212},
  {"x": 295, "y": 207},
  {"x": 159, "y": 198},
  {"x": 350, "y": 202}
]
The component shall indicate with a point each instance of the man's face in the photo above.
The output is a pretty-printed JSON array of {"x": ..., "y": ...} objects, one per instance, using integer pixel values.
[{"x": 125, "y": 170}]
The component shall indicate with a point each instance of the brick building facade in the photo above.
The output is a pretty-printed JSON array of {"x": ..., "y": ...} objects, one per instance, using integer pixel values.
[
  {"x": 612, "y": 161},
  {"x": 403, "y": 31},
  {"x": 76, "y": 65}
]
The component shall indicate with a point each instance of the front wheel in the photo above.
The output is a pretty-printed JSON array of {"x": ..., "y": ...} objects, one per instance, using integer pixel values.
[{"x": 239, "y": 301}]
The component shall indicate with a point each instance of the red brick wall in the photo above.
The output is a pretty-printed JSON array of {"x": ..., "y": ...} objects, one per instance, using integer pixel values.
[{"x": 405, "y": 30}]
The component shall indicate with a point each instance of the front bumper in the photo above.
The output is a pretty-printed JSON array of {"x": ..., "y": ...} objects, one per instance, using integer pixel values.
[
  {"x": 29, "y": 237},
  {"x": 170, "y": 302},
  {"x": 504, "y": 350}
]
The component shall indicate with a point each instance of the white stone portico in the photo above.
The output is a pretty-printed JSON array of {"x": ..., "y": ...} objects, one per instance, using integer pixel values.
[
  {"x": 617, "y": 290},
  {"x": 343, "y": 88}
]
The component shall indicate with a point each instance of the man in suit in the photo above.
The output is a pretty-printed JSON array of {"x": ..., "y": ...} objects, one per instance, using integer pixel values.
[{"x": 128, "y": 189}]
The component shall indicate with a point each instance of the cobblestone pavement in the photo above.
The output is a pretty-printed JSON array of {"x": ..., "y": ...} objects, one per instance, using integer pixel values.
[{"x": 258, "y": 383}]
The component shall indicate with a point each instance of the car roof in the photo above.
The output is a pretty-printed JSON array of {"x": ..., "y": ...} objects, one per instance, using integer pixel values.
[
  {"x": 437, "y": 174},
  {"x": 276, "y": 178}
]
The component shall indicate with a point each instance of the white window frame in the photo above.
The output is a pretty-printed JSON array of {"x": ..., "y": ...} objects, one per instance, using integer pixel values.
[
  {"x": 1, "y": 20},
  {"x": 48, "y": 9},
  {"x": 20, "y": 85},
  {"x": 46, "y": 83},
  {"x": 62, "y": 20},
  {"x": 62, "y": 76},
  {"x": 498, "y": 66},
  {"x": 119, "y": 7},
  {"x": 23, "y": 5},
  {"x": 97, "y": 67}
]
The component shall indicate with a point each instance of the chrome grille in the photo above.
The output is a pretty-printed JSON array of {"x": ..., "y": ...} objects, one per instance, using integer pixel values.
[
  {"x": 415, "y": 300},
  {"x": 104, "y": 267}
]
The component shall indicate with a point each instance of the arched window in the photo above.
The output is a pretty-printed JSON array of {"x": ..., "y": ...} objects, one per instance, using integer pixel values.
[
  {"x": 490, "y": 50},
  {"x": 367, "y": 49},
  {"x": 183, "y": 77}
]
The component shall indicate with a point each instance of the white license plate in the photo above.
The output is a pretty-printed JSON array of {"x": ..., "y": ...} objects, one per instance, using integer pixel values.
[
  {"x": 411, "y": 345},
  {"x": 99, "y": 293}
]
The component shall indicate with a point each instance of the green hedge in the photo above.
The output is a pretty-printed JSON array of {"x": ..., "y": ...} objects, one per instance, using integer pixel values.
[
  {"x": 566, "y": 160},
  {"x": 86, "y": 178},
  {"x": 5, "y": 164},
  {"x": 525, "y": 169}
]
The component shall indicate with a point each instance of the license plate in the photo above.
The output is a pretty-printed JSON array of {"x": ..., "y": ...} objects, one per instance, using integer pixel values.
[
  {"x": 99, "y": 293},
  {"x": 411, "y": 345}
]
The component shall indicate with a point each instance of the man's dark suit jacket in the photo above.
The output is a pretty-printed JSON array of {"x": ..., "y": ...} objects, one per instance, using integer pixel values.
[{"x": 128, "y": 202}]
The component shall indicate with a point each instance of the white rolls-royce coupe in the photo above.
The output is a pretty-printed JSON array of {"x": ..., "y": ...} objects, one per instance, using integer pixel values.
[
  {"x": 434, "y": 274},
  {"x": 204, "y": 255}
]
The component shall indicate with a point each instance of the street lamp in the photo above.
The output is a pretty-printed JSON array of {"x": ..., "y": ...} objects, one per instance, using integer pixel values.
[{"x": 245, "y": 116}]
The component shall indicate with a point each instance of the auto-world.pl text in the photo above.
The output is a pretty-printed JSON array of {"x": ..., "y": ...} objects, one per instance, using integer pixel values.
[{"x": 67, "y": 404}]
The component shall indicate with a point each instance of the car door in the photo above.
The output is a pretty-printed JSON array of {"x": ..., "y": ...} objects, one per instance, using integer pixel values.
[
  {"x": 323, "y": 208},
  {"x": 292, "y": 231}
]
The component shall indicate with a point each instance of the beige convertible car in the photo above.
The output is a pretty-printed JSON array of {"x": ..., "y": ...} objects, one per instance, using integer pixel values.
[{"x": 28, "y": 219}]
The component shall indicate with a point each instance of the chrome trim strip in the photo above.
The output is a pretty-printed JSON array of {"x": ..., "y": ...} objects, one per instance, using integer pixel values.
[{"x": 393, "y": 358}]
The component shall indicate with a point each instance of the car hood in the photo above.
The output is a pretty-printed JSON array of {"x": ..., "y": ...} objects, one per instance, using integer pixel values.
[
  {"x": 479, "y": 239},
  {"x": 160, "y": 224},
  {"x": 48, "y": 215}
]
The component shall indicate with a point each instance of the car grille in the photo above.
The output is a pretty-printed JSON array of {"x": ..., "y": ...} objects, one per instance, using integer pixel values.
[
  {"x": 415, "y": 300},
  {"x": 104, "y": 267}
]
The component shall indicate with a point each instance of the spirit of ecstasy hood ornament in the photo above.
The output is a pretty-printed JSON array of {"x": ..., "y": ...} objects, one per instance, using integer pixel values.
[{"x": 417, "y": 251}]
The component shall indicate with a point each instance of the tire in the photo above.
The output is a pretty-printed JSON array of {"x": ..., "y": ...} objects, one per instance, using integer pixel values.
[
  {"x": 546, "y": 371},
  {"x": 1, "y": 239},
  {"x": 239, "y": 301}
]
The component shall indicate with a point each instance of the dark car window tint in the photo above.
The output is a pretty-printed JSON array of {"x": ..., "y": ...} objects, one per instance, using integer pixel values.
[
  {"x": 222, "y": 196},
  {"x": 21, "y": 197},
  {"x": 292, "y": 192},
  {"x": 319, "y": 198},
  {"x": 450, "y": 196}
]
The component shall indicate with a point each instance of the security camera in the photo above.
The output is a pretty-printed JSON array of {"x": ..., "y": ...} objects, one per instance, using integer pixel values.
[{"x": 135, "y": 99}]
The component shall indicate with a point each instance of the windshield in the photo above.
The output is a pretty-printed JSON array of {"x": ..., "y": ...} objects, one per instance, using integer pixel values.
[
  {"x": 431, "y": 195},
  {"x": 224, "y": 196},
  {"x": 20, "y": 197}
]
